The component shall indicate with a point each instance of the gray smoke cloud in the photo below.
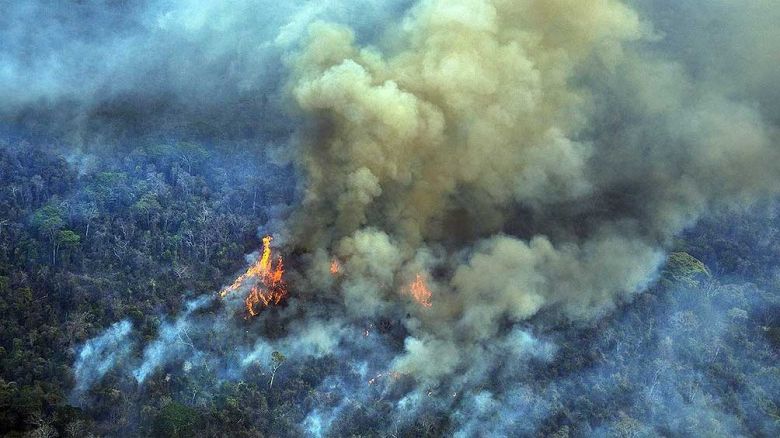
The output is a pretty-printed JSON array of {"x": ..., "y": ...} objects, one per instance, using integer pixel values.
[{"x": 530, "y": 160}]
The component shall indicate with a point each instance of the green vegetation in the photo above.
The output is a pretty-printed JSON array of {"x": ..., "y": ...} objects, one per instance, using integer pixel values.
[
  {"x": 682, "y": 267},
  {"x": 176, "y": 420}
]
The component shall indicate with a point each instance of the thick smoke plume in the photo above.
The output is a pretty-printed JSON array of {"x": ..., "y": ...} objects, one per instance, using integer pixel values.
[
  {"x": 463, "y": 146},
  {"x": 528, "y": 161}
]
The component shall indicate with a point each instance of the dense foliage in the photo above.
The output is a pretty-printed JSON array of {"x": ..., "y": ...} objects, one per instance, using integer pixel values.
[{"x": 86, "y": 241}]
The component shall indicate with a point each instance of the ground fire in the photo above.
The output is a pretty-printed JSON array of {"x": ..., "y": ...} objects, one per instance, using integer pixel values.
[{"x": 267, "y": 284}]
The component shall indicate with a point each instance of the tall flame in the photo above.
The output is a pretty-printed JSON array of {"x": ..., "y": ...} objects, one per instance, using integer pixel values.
[
  {"x": 269, "y": 287},
  {"x": 420, "y": 291}
]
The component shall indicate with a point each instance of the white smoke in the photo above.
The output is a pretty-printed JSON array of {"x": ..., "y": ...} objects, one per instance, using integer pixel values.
[{"x": 100, "y": 355}]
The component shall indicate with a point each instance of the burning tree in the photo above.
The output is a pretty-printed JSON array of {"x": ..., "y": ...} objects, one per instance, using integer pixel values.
[{"x": 268, "y": 286}]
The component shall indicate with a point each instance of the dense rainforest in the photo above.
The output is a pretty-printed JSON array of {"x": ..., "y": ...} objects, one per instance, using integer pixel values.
[{"x": 87, "y": 240}]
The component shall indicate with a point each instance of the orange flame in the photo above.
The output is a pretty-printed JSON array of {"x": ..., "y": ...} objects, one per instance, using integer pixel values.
[
  {"x": 420, "y": 291},
  {"x": 335, "y": 267},
  {"x": 269, "y": 287},
  {"x": 263, "y": 298}
]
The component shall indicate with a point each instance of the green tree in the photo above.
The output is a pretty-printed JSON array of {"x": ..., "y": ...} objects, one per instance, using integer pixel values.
[
  {"x": 176, "y": 420},
  {"x": 48, "y": 220},
  {"x": 148, "y": 206},
  {"x": 277, "y": 359},
  {"x": 67, "y": 239},
  {"x": 682, "y": 267},
  {"x": 192, "y": 155}
]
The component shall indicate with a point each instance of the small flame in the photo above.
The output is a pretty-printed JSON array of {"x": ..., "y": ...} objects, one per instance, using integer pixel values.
[
  {"x": 335, "y": 267},
  {"x": 420, "y": 291},
  {"x": 269, "y": 287}
]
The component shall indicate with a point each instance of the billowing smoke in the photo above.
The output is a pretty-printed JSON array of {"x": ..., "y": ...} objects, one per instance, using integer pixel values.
[
  {"x": 466, "y": 146},
  {"x": 525, "y": 162}
]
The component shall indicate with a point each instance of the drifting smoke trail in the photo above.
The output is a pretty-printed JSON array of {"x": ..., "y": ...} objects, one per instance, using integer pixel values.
[{"x": 100, "y": 355}]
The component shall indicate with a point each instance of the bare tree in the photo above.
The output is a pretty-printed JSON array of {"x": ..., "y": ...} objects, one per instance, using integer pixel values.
[{"x": 277, "y": 359}]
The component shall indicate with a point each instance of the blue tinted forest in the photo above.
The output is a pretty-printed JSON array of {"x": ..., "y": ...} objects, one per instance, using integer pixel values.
[{"x": 87, "y": 241}]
